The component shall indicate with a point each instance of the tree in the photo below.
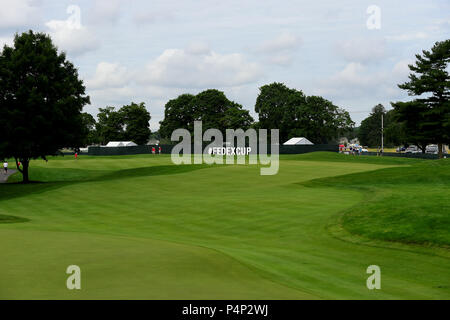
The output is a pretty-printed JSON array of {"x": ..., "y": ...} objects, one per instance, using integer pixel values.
[
  {"x": 295, "y": 114},
  {"x": 110, "y": 125},
  {"x": 41, "y": 99},
  {"x": 131, "y": 122},
  {"x": 211, "y": 107},
  {"x": 395, "y": 130},
  {"x": 136, "y": 119},
  {"x": 430, "y": 82},
  {"x": 321, "y": 121},
  {"x": 412, "y": 116},
  {"x": 278, "y": 107},
  {"x": 237, "y": 117},
  {"x": 89, "y": 125},
  {"x": 370, "y": 130},
  {"x": 178, "y": 113}
]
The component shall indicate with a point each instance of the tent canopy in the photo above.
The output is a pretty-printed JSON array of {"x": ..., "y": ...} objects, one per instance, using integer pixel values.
[
  {"x": 298, "y": 141},
  {"x": 121, "y": 144}
]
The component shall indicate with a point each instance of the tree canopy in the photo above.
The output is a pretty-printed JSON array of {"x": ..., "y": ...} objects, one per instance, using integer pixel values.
[
  {"x": 110, "y": 126},
  {"x": 41, "y": 99},
  {"x": 295, "y": 114},
  {"x": 369, "y": 133},
  {"x": 370, "y": 129},
  {"x": 211, "y": 107},
  {"x": 90, "y": 130},
  {"x": 131, "y": 122},
  {"x": 136, "y": 121}
]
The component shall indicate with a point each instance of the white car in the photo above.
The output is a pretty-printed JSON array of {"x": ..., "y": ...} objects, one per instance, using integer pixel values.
[
  {"x": 412, "y": 149},
  {"x": 432, "y": 148}
]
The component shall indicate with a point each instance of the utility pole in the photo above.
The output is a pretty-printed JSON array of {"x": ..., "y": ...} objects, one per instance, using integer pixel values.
[{"x": 382, "y": 138}]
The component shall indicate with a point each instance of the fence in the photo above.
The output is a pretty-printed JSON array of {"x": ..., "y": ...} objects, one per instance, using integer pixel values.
[
  {"x": 407, "y": 155},
  {"x": 165, "y": 148}
]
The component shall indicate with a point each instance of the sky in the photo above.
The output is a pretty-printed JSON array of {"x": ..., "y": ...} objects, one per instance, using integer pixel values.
[{"x": 353, "y": 53}]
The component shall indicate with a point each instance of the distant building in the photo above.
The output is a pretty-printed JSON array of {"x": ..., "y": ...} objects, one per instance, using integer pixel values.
[
  {"x": 121, "y": 144},
  {"x": 297, "y": 142}
]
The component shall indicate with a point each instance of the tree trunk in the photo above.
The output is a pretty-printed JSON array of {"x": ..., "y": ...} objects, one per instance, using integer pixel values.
[
  {"x": 422, "y": 147},
  {"x": 25, "y": 165},
  {"x": 440, "y": 150}
]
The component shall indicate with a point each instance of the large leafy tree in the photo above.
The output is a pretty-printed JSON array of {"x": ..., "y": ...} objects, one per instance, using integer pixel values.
[
  {"x": 89, "y": 124},
  {"x": 370, "y": 130},
  {"x": 178, "y": 113},
  {"x": 295, "y": 114},
  {"x": 131, "y": 122},
  {"x": 110, "y": 126},
  {"x": 430, "y": 82},
  {"x": 41, "y": 99},
  {"x": 411, "y": 117},
  {"x": 136, "y": 119},
  {"x": 211, "y": 107},
  {"x": 321, "y": 121},
  {"x": 278, "y": 107},
  {"x": 395, "y": 131}
]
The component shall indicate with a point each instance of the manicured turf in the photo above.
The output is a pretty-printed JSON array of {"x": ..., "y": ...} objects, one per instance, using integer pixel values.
[{"x": 140, "y": 227}]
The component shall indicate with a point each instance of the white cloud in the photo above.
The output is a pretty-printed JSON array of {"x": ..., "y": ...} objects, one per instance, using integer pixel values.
[
  {"x": 199, "y": 68},
  {"x": 70, "y": 35},
  {"x": 195, "y": 67},
  {"x": 280, "y": 50},
  {"x": 408, "y": 36},
  {"x": 109, "y": 75},
  {"x": 361, "y": 50},
  {"x": 358, "y": 81},
  {"x": 19, "y": 13}
]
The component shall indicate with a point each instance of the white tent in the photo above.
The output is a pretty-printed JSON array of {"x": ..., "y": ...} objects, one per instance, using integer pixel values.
[
  {"x": 121, "y": 144},
  {"x": 298, "y": 141}
]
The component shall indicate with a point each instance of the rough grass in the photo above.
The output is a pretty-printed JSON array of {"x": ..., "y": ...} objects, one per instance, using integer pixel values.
[{"x": 405, "y": 204}]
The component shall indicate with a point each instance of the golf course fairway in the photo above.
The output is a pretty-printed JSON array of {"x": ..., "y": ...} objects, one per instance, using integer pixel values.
[{"x": 140, "y": 227}]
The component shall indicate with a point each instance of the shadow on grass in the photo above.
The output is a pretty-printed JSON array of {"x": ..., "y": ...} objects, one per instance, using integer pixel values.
[
  {"x": 150, "y": 171},
  {"x": 10, "y": 191},
  {"x": 11, "y": 219}
]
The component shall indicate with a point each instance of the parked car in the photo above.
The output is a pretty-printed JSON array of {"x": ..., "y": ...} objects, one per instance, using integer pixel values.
[
  {"x": 412, "y": 149},
  {"x": 401, "y": 149},
  {"x": 432, "y": 148}
]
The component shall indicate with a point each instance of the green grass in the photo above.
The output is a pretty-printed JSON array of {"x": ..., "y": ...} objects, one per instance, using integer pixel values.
[{"x": 140, "y": 227}]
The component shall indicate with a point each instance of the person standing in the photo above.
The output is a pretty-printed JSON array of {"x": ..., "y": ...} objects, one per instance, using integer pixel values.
[
  {"x": 5, "y": 167},
  {"x": 159, "y": 149}
]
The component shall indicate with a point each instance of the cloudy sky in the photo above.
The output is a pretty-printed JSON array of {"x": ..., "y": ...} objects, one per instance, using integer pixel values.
[{"x": 350, "y": 52}]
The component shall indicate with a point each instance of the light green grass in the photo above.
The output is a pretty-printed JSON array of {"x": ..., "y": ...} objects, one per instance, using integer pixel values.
[{"x": 140, "y": 227}]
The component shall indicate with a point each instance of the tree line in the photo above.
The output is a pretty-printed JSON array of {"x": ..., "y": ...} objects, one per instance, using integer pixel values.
[
  {"x": 42, "y": 101},
  {"x": 129, "y": 123},
  {"x": 277, "y": 106}
]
